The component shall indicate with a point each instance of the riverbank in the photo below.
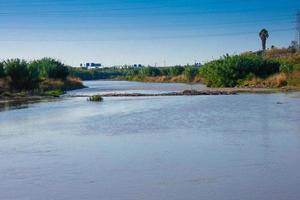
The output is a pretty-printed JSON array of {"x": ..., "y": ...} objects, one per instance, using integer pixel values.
[
  {"x": 49, "y": 89},
  {"x": 199, "y": 92},
  {"x": 278, "y": 82}
]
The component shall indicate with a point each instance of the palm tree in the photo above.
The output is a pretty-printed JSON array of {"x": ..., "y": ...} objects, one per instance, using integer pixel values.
[{"x": 263, "y": 34}]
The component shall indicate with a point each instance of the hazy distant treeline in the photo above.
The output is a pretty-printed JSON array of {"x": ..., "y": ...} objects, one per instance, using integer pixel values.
[{"x": 128, "y": 73}]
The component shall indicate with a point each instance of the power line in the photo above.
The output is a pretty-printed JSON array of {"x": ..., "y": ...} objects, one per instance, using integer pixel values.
[
  {"x": 117, "y": 11},
  {"x": 176, "y": 25},
  {"x": 154, "y": 37}
]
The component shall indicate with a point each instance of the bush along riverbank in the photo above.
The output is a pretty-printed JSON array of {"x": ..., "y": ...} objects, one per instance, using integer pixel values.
[
  {"x": 275, "y": 68},
  {"x": 39, "y": 78},
  {"x": 268, "y": 70}
]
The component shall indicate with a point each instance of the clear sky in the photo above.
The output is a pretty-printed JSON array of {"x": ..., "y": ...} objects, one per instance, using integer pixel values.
[{"x": 141, "y": 31}]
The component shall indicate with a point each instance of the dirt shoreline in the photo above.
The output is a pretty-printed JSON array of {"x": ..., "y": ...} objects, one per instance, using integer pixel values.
[{"x": 204, "y": 91}]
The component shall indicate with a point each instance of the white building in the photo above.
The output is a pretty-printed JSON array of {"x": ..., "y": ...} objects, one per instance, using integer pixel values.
[{"x": 92, "y": 65}]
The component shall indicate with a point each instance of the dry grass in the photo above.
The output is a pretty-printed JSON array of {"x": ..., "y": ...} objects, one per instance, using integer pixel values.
[
  {"x": 199, "y": 79},
  {"x": 4, "y": 85},
  {"x": 51, "y": 84},
  {"x": 72, "y": 83},
  {"x": 68, "y": 84},
  {"x": 274, "y": 81},
  {"x": 294, "y": 79},
  {"x": 164, "y": 79},
  {"x": 173, "y": 79},
  {"x": 283, "y": 54},
  {"x": 177, "y": 79}
]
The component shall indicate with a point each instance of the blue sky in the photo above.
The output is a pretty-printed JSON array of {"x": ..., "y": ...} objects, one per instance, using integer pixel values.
[{"x": 141, "y": 31}]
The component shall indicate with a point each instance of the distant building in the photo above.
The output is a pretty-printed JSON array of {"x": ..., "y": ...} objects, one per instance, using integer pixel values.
[
  {"x": 91, "y": 65},
  {"x": 129, "y": 66}
]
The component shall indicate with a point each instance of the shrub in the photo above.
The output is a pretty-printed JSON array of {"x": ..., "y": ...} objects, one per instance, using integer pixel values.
[
  {"x": 17, "y": 70},
  {"x": 51, "y": 68},
  {"x": 190, "y": 73},
  {"x": 229, "y": 70},
  {"x": 149, "y": 71},
  {"x": 286, "y": 67},
  {"x": 165, "y": 71},
  {"x": 176, "y": 71},
  {"x": 96, "y": 98}
]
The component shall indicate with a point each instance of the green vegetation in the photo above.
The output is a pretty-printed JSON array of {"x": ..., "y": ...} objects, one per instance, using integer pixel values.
[
  {"x": 46, "y": 76},
  {"x": 270, "y": 68},
  {"x": 96, "y": 74},
  {"x": 21, "y": 76},
  {"x": 96, "y": 98},
  {"x": 190, "y": 73},
  {"x": 50, "y": 68},
  {"x": 229, "y": 71},
  {"x": 133, "y": 74},
  {"x": 54, "y": 93}
]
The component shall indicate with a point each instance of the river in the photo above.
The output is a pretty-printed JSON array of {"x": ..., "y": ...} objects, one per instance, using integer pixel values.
[{"x": 236, "y": 147}]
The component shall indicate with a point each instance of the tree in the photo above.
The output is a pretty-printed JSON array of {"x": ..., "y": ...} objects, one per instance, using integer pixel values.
[
  {"x": 264, "y": 35},
  {"x": 18, "y": 72},
  {"x": 51, "y": 68},
  {"x": 33, "y": 76}
]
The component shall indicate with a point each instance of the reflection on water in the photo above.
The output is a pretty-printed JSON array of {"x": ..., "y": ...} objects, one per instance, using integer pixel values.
[
  {"x": 96, "y": 87},
  {"x": 193, "y": 147},
  {"x": 12, "y": 105}
]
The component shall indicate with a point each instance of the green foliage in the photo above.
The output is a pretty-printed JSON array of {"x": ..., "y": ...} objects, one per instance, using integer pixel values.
[
  {"x": 96, "y": 74},
  {"x": 2, "y": 72},
  {"x": 286, "y": 67},
  {"x": 54, "y": 93},
  {"x": 96, "y": 98},
  {"x": 176, "y": 71},
  {"x": 165, "y": 71},
  {"x": 227, "y": 71},
  {"x": 37, "y": 76},
  {"x": 149, "y": 71},
  {"x": 51, "y": 68},
  {"x": 190, "y": 73},
  {"x": 296, "y": 67},
  {"x": 132, "y": 72},
  {"x": 22, "y": 75}
]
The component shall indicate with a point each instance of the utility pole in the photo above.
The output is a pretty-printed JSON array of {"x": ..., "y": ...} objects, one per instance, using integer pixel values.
[{"x": 298, "y": 29}]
